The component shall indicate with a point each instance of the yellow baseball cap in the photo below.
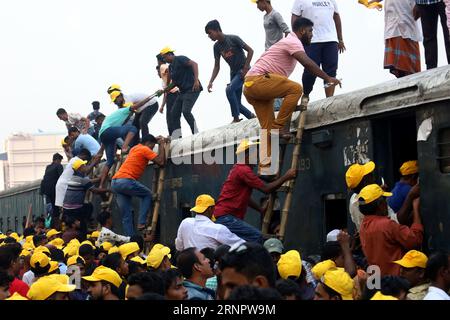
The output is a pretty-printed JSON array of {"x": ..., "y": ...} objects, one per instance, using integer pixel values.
[
  {"x": 409, "y": 167},
  {"x": 373, "y": 192},
  {"x": 413, "y": 259},
  {"x": 319, "y": 269},
  {"x": 106, "y": 246},
  {"x": 290, "y": 264},
  {"x": 95, "y": 234},
  {"x": 103, "y": 273},
  {"x": 356, "y": 173},
  {"x": 63, "y": 278},
  {"x": 128, "y": 248},
  {"x": 63, "y": 142},
  {"x": 245, "y": 145},
  {"x": 28, "y": 246},
  {"x": 53, "y": 266},
  {"x": 339, "y": 280},
  {"x": 46, "y": 286},
  {"x": 71, "y": 250},
  {"x": 202, "y": 203},
  {"x": 156, "y": 255},
  {"x": 75, "y": 259},
  {"x": 42, "y": 249},
  {"x": 138, "y": 260},
  {"x": 113, "y": 95},
  {"x": 380, "y": 296},
  {"x": 58, "y": 243},
  {"x": 25, "y": 252},
  {"x": 78, "y": 163},
  {"x": 16, "y": 236},
  {"x": 16, "y": 296},
  {"x": 113, "y": 250},
  {"x": 3, "y": 236},
  {"x": 39, "y": 259},
  {"x": 87, "y": 242},
  {"x": 114, "y": 87},
  {"x": 52, "y": 232},
  {"x": 166, "y": 50}
]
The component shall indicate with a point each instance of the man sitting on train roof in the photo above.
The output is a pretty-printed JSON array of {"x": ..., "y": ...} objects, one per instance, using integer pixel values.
[
  {"x": 405, "y": 191},
  {"x": 357, "y": 177},
  {"x": 235, "y": 196}
]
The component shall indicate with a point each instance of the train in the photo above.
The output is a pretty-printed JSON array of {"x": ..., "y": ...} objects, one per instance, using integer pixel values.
[{"x": 389, "y": 123}]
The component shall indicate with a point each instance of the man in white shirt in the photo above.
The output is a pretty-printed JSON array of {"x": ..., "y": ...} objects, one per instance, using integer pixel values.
[
  {"x": 327, "y": 41},
  {"x": 200, "y": 232},
  {"x": 438, "y": 271},
  {"x": 106, "y": 234},
  {"x": 74, "y": 120}
]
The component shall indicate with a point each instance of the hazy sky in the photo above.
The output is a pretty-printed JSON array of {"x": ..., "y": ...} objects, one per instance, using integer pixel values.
[{"x": 60, "y": 53}]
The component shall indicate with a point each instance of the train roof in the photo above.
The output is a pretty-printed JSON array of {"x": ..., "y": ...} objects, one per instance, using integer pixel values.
[{"x": 420, "y": 88}]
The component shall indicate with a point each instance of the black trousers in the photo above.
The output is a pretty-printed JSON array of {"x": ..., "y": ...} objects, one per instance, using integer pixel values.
[{"x": 430, "y": 13}]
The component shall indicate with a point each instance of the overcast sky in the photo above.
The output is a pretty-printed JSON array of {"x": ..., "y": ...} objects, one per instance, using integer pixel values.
[{"x": 60, "y": 53}]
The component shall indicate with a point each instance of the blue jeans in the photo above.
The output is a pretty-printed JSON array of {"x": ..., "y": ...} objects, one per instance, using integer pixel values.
[
  {"x": 234, "y": 95},
  {"x": 109, "y": 137},
  {"x": 241, "y": 228},
  {"x": 125, "y": 190}
]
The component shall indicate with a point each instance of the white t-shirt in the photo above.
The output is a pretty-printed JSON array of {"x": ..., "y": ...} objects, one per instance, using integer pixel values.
[
  {"x": 435, "y": 293},
  {"x": 321, "y": 13},
  {"x": 137, "y": 97},
  {"x": 399, "y": 20},
  {"x": 61, "y": 185}
]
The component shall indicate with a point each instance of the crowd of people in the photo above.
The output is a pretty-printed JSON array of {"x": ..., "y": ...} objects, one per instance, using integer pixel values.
[{"x": 216, "y": 254}]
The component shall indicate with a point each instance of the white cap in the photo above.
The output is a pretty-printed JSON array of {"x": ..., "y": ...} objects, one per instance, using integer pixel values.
[{"x": 332, "y": 236}]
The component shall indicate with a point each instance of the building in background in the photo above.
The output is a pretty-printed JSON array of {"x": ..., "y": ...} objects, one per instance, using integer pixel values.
[{"x": 26, "y": 156}]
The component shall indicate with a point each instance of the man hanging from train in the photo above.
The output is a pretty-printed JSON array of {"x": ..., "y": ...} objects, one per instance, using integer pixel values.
[
  {"x": 235, "y": 196},
  {"x": 268, "y": 80},
  {"x": 125, "y": 182}
]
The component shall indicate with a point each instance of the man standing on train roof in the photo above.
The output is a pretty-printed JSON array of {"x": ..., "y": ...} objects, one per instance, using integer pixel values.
[
  {"x": 235, "y": 197},
  {"x": 125, "y": 182},
  {"x": 268, "y": 80},
  {"x": 231, "y": 48},
  {"x": 183, "y": 73}
]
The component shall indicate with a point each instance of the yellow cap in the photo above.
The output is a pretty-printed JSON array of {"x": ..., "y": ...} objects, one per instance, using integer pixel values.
[
  {"x": 75, "y": 259},
  {"x": 52, "y": 232},
  {"x": 28, "y": 246},
  {"x": 16, "y": 296},
  {"x": 410, "y": 167},
  {"x": 380, "y": 296},
  {"x": 128, "y": 248},
  {"x": 58, "y": 243},
  {"x": 16, "y": 236},
  {"x": 356, "y": 173},
  {"x": 156, "y": 255},
  {"x": 202, "y": 203},
  {"x": 29, "y": 239},
  {"x": 103, "y": 273},
  {"x": 53, "y": 266},
  {"x": 113, "y": 95},
  {"x": 63, "y": 143},
  {"x": 3, "y": 236},
  {"x": 138, "y": 260},
  {"x": 339, "y": 280},
  {"x": 245, "y": 145},
  {"x": 39, "y": 259},
  {"x": 74, "y": 242},
  {"x": 25, "y": 253},
  {"x": 113, "y": 250},
  {"x": 71, "y": 250},
  {"x": 63, "y": 278},
  {"x": 166, "y": 50},
  {"x": 319, "y": 269},
  {"x": 413, "y": 259},
  {"x": 95, "y": 234},
  {"x": 290, "y": 264},
  {"x": 87, "y": 242},
  {"x": 78, "y": 163},
  {"x": 46, "y": 286},
  {"x": 42, "y": 249},
  {"x": 114, "y": 87},
  {"x": 106, "y": 246},
  {"x": 373, "y": 192}
]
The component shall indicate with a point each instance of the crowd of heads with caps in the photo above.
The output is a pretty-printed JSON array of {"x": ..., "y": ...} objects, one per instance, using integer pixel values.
[{"x": 87, "y": 270}]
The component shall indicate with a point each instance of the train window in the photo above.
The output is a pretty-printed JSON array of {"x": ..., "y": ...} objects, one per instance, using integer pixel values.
[
  {"x": 444, "y": 150},
  {"x": 335, "y": 212}
]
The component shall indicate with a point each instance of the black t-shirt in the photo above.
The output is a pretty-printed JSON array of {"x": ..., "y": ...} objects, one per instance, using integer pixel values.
[
  {"x": 51, "y": 176},
  {"x": 182, "y": 74},
  {"x": 232, "y": 51}
]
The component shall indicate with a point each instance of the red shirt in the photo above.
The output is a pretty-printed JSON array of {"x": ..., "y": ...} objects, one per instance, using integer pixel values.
[
  {"x": 384, "y": 241},
  {"x": 18, "y": 286},
  {"x": 136, "y": 162},
  {"x": 236, "y": 191}
]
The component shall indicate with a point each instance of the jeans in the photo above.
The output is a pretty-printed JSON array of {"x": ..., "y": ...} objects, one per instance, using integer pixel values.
[
  {"x": 183, "y": 105},
  {"x": 241, "y": 228},
  {"x": 109, "y": 137},
  {"x": 125, "y": 190},
  {"x": 142, "y": 120},
  {"x": 170, "y": 101},
  {"x": 429, "y": 14},
  {"x": 325, "y": 55},
  {"x": 234, "y": 95}
]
